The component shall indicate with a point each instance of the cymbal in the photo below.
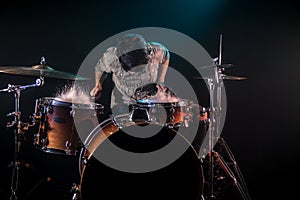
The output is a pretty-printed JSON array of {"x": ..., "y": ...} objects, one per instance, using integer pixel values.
[
  {"x": 235, "y": 78},
  {"x": 225, "y": 77},
  {"x": 41, "y": 70},
  {"x": 223, "y": 66}
]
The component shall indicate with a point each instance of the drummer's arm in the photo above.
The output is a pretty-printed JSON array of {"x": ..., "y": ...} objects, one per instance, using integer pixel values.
[
  {"x": 96, "y": 91},
  {"x": 163, "y": 71},
  {"x": 164, "y": 64},
  {"x": 101, "y": 69},
  {"x": 98, "y": 75}
]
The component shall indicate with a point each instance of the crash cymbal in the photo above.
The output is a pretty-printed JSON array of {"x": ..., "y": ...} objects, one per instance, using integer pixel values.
[
  {"x": 41, "y": 70},
  {"x": 225, "y": 77}
]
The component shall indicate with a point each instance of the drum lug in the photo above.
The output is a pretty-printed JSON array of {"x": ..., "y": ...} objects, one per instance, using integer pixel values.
[
  {"x": 186, "y": 123},
  {"x": 172, "y": 110},
  {"x": 49, "y": 110},
  {"x": 68, "y": 144},
  {"x": 170, "y": 126},
  {"x": 150, "y": 119},
  {"x": 84, "y": 160},
  {"x": 68, "y": 150},
  {"x": 44, "y": 141},
  {"x": 186, "y": 119},
  {"x": 72, "y": 113},
  {"x": 171, "y": 118}
]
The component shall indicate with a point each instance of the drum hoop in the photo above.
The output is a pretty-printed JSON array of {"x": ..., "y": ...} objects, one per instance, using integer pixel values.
[
  {"x": 94, "y": 132},
  {"x": 86, "y": 153},
  {"x": 53, "y": 101},
  {"x": 181, "y": 102}
]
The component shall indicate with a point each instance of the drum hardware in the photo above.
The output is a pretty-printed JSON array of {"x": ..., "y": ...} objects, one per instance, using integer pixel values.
[
  {"x": 215, "y": 90},
  {"x": 18, "y": 127},
  {"x": 143, "y": 110},
  {"x": 241, "y": 186},
  {"x": 75, "y": 192}
]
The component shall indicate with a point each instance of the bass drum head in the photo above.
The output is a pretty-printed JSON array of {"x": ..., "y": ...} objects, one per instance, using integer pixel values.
[{"x": 182, "y": 178}]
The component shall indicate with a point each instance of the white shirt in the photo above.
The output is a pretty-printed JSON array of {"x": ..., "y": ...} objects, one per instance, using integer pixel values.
[{"x": 127, "y": 81}]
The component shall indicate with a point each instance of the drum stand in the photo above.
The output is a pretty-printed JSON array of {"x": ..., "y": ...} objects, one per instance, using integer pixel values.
[
  {"x": 214, "y": 130},
  {"x": 19, "y": 128},
  {"x": 215, "y": 89}
]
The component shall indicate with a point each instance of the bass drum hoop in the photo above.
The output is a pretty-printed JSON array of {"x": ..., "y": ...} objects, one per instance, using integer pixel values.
[{"x": 157, "y": 184}]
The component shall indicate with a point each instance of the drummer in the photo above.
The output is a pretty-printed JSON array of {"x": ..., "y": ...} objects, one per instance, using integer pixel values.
[{"x": 132, "y": 63}]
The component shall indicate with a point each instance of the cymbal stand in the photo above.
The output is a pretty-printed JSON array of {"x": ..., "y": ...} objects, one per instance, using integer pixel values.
[
  {"x": 214, "y": 82},
  {"x": 19, "y": 128},
  {"x": 215, "y": 89},
  {"x": 213, "y": 130}
]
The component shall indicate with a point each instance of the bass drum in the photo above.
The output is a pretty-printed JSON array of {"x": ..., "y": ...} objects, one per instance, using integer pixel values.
[{"x": 181, "y": 179}]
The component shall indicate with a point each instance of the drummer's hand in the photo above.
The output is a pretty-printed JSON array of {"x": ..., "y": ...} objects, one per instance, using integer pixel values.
[
  {"x": 161, "y": 87},
  {"x": 96, "y": 91}
]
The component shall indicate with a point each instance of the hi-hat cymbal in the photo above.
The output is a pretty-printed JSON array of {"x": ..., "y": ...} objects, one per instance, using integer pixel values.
[
  {"x": 41, "y": 70},
  {"x": 237, "y": 78},
  {"x": 223, "y": 66},
  {"x": 225, "y": 77}
]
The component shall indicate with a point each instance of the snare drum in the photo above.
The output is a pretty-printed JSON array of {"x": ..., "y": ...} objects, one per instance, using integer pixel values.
[
  {"x": 170, "y": 114},
  {"x": 59, "y": 123}
]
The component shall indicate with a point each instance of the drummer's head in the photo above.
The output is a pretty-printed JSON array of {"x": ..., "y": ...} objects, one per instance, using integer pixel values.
[{"x": 133, "y": 51}]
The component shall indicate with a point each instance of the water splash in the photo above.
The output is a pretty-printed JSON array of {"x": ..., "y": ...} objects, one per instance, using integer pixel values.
[{"x": 74, "y": 94}]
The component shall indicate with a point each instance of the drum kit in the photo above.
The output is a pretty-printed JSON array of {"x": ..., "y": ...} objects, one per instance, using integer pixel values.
[{"x": 57, "y": 133}]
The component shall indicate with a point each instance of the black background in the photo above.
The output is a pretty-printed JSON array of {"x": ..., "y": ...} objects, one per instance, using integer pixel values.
[{"x": 261, "y": 39}]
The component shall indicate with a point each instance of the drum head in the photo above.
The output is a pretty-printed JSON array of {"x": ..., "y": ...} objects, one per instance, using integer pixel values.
[{"x": 183, "y": 178}]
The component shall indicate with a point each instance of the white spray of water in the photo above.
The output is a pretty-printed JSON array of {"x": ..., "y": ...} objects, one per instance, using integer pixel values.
[{"x": 74, "y": 94}]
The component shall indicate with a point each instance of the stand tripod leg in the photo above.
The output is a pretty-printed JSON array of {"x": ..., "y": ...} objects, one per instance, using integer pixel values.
[
  {"x": 16, "y": 168},
  {"x": 211, "y": 175},
  {"x": 241, "y": 188},
  {"x": 236, "y": 168},
  {"x": 14, "y": 183}
]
